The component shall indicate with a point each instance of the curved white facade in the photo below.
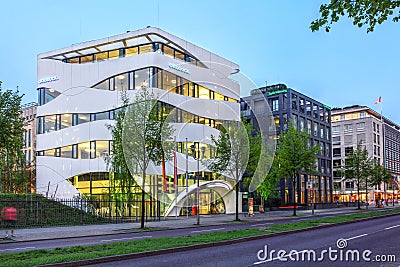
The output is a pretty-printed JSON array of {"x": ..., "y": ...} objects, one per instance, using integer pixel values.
[{"x": 74, "y": 112}]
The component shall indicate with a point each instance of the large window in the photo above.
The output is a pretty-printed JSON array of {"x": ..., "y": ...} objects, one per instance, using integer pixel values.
[
  {"x": 50, "y": 123},
  {"x": 348, "y": 128},
  {"x": 336, "y": 129},
  {"x": 66, "y": 120},
  {"x": 86, "y": 150},
  {"x": 45, "y": 95},
  {"x": 337, "y": 152},
  {"x": 275, "y": 104}
]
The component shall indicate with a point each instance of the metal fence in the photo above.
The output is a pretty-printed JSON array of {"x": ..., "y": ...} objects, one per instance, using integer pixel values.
[{"x": 37, "y": 211}]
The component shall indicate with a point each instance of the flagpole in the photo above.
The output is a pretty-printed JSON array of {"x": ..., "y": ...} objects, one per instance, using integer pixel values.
[
  {"x": 383, "y": 142},
  {"x": 187, "y": 182}
]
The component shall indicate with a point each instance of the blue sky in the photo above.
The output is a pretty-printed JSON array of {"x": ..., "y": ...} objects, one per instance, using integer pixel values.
[{"x": 270, "y": 40}]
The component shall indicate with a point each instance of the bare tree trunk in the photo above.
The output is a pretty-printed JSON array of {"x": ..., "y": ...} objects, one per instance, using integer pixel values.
[
  {"x": 142, "y": 213},
  {"x": 237, "y": 202},
  {"x": 358, "y": 193},
  {"x": 294, "y": 180}
]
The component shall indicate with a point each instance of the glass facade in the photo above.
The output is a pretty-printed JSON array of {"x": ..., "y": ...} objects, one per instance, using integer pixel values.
[{"x": 156, "y": 47}]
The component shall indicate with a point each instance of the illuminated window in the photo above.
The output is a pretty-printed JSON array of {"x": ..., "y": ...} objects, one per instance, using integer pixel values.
[
  {"x": 179, "y": 55},
  {"x": 133, "y": 51},
  {"x": 204, "y": 93},
  {"x": 121, "y": 82},
  {"x": 168, "y": 51},
  {"x": 113, "y": 54},
  {"x": 101, "y": 56},
  {"x": 218, "y": 96},
  {"x": 49, "y": 123},
  {"x": 66, "y": 120},
  {"x": 84, "y": 150},
  {"x": 74, "y": 60},
  {"x": 145, "y": 49},
  {"x": 102, "y": 148},
  {"x": 141, "y": 78},
  {"x": 85, "y": 59},
  {"x": 49, "y": 152},
  {"x": 66, "y": 152}
]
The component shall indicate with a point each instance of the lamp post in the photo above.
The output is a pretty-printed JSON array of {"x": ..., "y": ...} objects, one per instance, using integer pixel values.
[
  {"x": 187, "y": 183},
  {"x": 193, "y": 149}
]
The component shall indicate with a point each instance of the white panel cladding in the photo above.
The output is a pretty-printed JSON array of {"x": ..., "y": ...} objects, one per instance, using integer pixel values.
[
  {"x": 194, "y": 132},
  {"x": 198, "y": 52},
  {"x": 75, "y": 82},
  {"x": 89, "y": 74},
  {"x": 57, "y": 170},
  {"x": 90, "y": 100},
  {"x": 89, "y": 131}
]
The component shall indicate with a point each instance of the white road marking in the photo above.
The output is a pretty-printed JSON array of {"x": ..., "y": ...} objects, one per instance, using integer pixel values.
[
  {"x": 209, "y": 230},
  {"x": 351, "y": 238},
  {"x": 11, "y": 249},
  {"x": 278, "y": 258},
  {"x": 261, "y": 224},
  {"x": 392, "y": 227},
  {"x": 126, "y": 238}
]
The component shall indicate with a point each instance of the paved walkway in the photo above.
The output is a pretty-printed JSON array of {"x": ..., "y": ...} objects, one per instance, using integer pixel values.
[{"x": 167, "y": 223}]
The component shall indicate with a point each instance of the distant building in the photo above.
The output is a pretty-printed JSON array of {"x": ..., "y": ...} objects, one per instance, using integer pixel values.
[
  {"x": 305, "y": 113},
  {"x": 29, "y": 111},
  {"x": 381, "y": 138}
]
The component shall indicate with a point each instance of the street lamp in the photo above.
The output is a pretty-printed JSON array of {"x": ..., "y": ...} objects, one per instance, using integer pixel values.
[{"x": 193, "y": 148}]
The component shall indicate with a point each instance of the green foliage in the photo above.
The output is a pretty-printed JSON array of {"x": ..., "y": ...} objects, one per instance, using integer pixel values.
[
  {"x": 294, "y": 155},
  {"x": 337, "y": 219},
  {"x": 358, "y": 167},
  {"x": 361, "y": 12},
  {"x": 139, "y": 138},
  {"x": 121, "y": 180},
  {"x": 267, "y": 188},
  {"x": 232, "y": 151},
  {"x": 40, "y": 257},
  {"x": 13, "y": 174},
  {"x": 232, "y": 154},
  {"x": 38, "y": 211},
  {"x": 379, "y": 174}
]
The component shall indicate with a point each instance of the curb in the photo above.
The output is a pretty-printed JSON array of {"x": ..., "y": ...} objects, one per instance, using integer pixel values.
[
  {"x": 205, "y": 245},
  {"x": 155, "y": 230}
]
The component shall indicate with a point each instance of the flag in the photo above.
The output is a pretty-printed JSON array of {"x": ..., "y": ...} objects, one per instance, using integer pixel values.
[
  {"x": 175, "y": 171},
  {"x": 379, "y": 100},
  {"x": 164, "y": 176}
]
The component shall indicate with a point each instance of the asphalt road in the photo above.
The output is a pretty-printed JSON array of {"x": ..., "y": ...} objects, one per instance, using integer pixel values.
[
  {"x": 380, "y": 236},
  {"x": 133, "y": 234}
]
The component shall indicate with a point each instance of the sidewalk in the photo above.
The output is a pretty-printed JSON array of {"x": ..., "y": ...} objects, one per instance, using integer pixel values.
[{"x": 30, "y": 234}]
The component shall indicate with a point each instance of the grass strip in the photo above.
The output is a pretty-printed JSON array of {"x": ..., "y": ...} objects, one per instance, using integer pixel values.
[
  {"x": 311, "y": 223},
  {"x": 40, "y": 257}
]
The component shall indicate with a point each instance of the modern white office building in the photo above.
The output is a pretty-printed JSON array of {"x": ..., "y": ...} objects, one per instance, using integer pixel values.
[{"x": 79, "y": 91}]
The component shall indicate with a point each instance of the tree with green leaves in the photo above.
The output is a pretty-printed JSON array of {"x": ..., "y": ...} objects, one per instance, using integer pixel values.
[
  {"x": 361, "y": 12},
  {"x": 267, "y": 188},
  {"x": 379, "y": 175},
  {"x": 144, "y": 136},
  {"x": 293, "y": 155},
  {"x": 121, "y": 179},
  {"x": 231, "y": 154},
  {"x": 358, "y": 167},
  {"x": 13, "y": 174}
]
